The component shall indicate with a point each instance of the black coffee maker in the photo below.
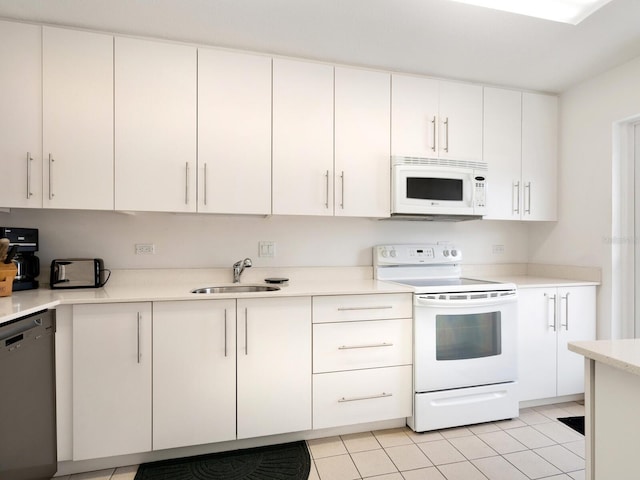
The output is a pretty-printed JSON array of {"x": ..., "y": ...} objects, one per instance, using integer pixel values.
[{"x": 25, "y": 241}]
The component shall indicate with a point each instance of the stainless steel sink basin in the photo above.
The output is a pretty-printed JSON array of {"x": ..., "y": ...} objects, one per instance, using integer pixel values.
[{"x": 236, "y": 289}]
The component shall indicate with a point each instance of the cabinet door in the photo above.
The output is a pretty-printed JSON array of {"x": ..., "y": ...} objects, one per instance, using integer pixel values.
[
  {"x": 502, "y": 151},
  {"x": 362, "y": 144},
  {"x": 155, "y": 126},
  {"x": 234, "y": 132},
  {"x": 539, "y": 156},
  {"x": 111, "y": 379},
  {"x": 577, "y": 314},
  {"x": 414, "y": 116},
  {"x": 460, "y": 117},
  {"x": 274, "y": 366},
  {"x": 302, "y": 138},
  {"x": 77, "y": 110},
  {"x": 21, "y": 119},
  {"x": 194, "y": 373},
  {"x": 537, "y": 343}
]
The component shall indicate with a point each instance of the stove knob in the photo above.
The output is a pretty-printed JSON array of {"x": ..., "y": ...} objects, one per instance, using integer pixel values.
[
  {"x": 384, "y": 254},
  {"x": 454, "y": 253},
  {"x": 393, "y": 253},
  {"x": 445, "y": 253}
]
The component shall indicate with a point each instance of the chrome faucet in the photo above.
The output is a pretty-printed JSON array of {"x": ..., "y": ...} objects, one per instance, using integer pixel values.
[{"x": 239, "y": 267}]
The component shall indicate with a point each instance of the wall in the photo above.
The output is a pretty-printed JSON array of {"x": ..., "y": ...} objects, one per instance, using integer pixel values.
[
  {"x": 582, "y": 236},
  {"x": 190, "y": 240}
]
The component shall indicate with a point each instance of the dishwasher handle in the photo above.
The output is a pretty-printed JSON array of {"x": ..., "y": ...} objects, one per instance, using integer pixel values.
[{"x": 9, "y": 332}]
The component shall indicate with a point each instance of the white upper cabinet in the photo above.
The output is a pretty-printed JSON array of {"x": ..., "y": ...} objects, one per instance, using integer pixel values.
[
  {"x": 77, "y": 122},
  {"x": 460, "y": 116},
  {"x": 155, "y": 136},
  {"x": 302, "y": 138},
  {"x": 435, "y": 119},
  {"x": 520, "y": 148},
  {"x": 503, "y": 152},
  {"x": 21, "y": 118},
  {"x": 362, "y": 143},
  {"x": 539, "y": 156},
  {"x": 234, "y": 132}
]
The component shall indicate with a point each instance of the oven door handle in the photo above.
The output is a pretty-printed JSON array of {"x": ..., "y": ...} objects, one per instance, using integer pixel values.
[{"x": 458, "y": 303}]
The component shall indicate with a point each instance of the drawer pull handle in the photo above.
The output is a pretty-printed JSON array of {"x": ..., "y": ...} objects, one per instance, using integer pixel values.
[
  {"x": 381, "y": 307},
  {"x": 369, "y": 397},
  {"x": 373, "y": 345}
]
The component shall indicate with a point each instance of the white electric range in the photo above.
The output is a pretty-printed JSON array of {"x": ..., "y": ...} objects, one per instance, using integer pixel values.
[{"x": 465, "y": 337}]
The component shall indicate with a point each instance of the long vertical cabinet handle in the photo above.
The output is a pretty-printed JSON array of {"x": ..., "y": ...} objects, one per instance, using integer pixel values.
[
  {"x": 326, "y": 204},
  {"x": 566, "y": 311},
  {"x": 139, "y": 354},
  {"x": 51, "y": 160},
  {"x": 515, "y": 199},
  {"x": 246, "y": 333},
  {"x": 186, "y": 184},
  {"x": 205, "y": 197},
  {"x": 446, "y": 134},
  {"x": 433, "y": 129},
  {"x": 342, "y": 182},
  {"x": 29, "y": 160},
  {"x": 225, "y": 332},
  {"x": 555, "y": 318},
  {"x": 527, "y": 207}
]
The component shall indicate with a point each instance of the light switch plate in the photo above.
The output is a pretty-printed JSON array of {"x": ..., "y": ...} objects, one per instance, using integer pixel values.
[{"x": 266, "y": 249}]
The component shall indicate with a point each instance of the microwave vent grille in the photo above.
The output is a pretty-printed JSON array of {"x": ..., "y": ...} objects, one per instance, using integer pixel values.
[{"x": 438, "y": 162}]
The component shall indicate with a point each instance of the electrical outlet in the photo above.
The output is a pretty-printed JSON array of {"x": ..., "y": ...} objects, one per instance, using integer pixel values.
[
  {"x": 145, "y": 249},
  {"x": 498, "y": 249},
  {"x": 266, "y": 249}
]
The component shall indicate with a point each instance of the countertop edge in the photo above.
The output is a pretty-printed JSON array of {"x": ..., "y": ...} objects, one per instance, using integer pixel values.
[{"x": 614, "y": 353}]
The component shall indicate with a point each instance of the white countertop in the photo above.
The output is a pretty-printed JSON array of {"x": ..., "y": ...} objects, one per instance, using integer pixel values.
[
  {"x": 141, "y": 289},
  {"x": 621, "y": 354},
  {"x": 175, "y": 284},
  {"x": 529, "y": 281}
]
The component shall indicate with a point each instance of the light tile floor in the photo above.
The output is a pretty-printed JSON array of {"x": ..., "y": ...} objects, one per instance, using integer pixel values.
[{"x": 531, "y": 447}]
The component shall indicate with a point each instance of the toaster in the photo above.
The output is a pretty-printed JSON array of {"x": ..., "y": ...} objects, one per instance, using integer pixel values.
[{"x": 78, "y": 273}]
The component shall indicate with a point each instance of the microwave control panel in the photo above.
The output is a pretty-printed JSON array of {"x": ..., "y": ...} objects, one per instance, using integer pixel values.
[{"x": 480, "y": 191}]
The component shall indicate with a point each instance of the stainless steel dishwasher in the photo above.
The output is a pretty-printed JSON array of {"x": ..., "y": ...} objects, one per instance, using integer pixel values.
[{"x": 27, "y": 398}]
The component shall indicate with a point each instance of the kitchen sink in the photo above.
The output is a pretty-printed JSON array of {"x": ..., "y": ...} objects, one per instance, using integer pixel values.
[{"x": 236, "y": 289}]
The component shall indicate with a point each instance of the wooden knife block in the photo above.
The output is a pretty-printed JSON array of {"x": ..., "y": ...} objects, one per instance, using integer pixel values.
[{"x": 8, "y": 272}]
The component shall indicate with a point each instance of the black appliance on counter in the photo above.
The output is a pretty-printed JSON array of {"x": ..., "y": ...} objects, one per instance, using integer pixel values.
[{"x": 27, "y": 263}]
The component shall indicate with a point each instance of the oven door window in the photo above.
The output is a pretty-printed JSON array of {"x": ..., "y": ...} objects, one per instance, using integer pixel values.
[
  {"x": 474, "y": 335},
  {"x": 434, "y": 188}
]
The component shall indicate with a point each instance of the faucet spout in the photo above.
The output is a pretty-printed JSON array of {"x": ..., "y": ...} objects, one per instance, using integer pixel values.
[{"x": 239, "y": 267}]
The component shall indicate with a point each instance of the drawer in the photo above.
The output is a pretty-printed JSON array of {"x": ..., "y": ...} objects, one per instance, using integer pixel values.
[
  {"x": 364, "y": 344},
  {"x": 348, "y": 308},
  {"x": 347, "y": 398}
]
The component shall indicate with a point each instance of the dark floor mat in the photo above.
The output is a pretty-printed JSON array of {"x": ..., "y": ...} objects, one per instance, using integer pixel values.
[
  {"x": 288, "y": 461},
  {"x": 577, "y": 423}
]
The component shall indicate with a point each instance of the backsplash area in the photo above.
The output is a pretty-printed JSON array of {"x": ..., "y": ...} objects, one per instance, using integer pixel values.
[{"x": 206, "y": 241}]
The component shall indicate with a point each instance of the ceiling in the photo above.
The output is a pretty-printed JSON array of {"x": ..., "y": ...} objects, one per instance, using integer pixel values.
[{"x": 431, "y": 37}]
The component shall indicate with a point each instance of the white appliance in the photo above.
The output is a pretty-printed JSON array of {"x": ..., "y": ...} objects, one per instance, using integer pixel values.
[
  {"x": 465, "y": 337},
  {"x": 437, "y": 189}
]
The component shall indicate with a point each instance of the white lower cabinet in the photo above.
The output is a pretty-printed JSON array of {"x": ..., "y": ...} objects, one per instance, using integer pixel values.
[
  {"x": 549, "y": 318},
  {"x": 111, "y": 379},
  {"x": 274, "y": 366},
  {"x": 360, "y": 396},
  {"x": 362, "y": 359},
  {"x": 194, "y": 372}
]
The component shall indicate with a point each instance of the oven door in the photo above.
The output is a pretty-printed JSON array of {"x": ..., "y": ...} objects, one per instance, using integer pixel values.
[
  {"x": 424, "y": 190},
  {"x": 465, "y": 339}
]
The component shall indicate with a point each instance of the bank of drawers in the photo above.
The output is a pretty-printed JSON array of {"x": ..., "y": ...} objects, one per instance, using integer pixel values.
[{"x": 362, "y": 354}]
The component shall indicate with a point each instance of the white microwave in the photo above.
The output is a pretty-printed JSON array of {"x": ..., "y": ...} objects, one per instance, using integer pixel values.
[{"x": 438, "y": 189}]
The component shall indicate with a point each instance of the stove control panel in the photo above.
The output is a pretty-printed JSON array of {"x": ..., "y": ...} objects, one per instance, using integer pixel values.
[{"x": 415, "y": 254}]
